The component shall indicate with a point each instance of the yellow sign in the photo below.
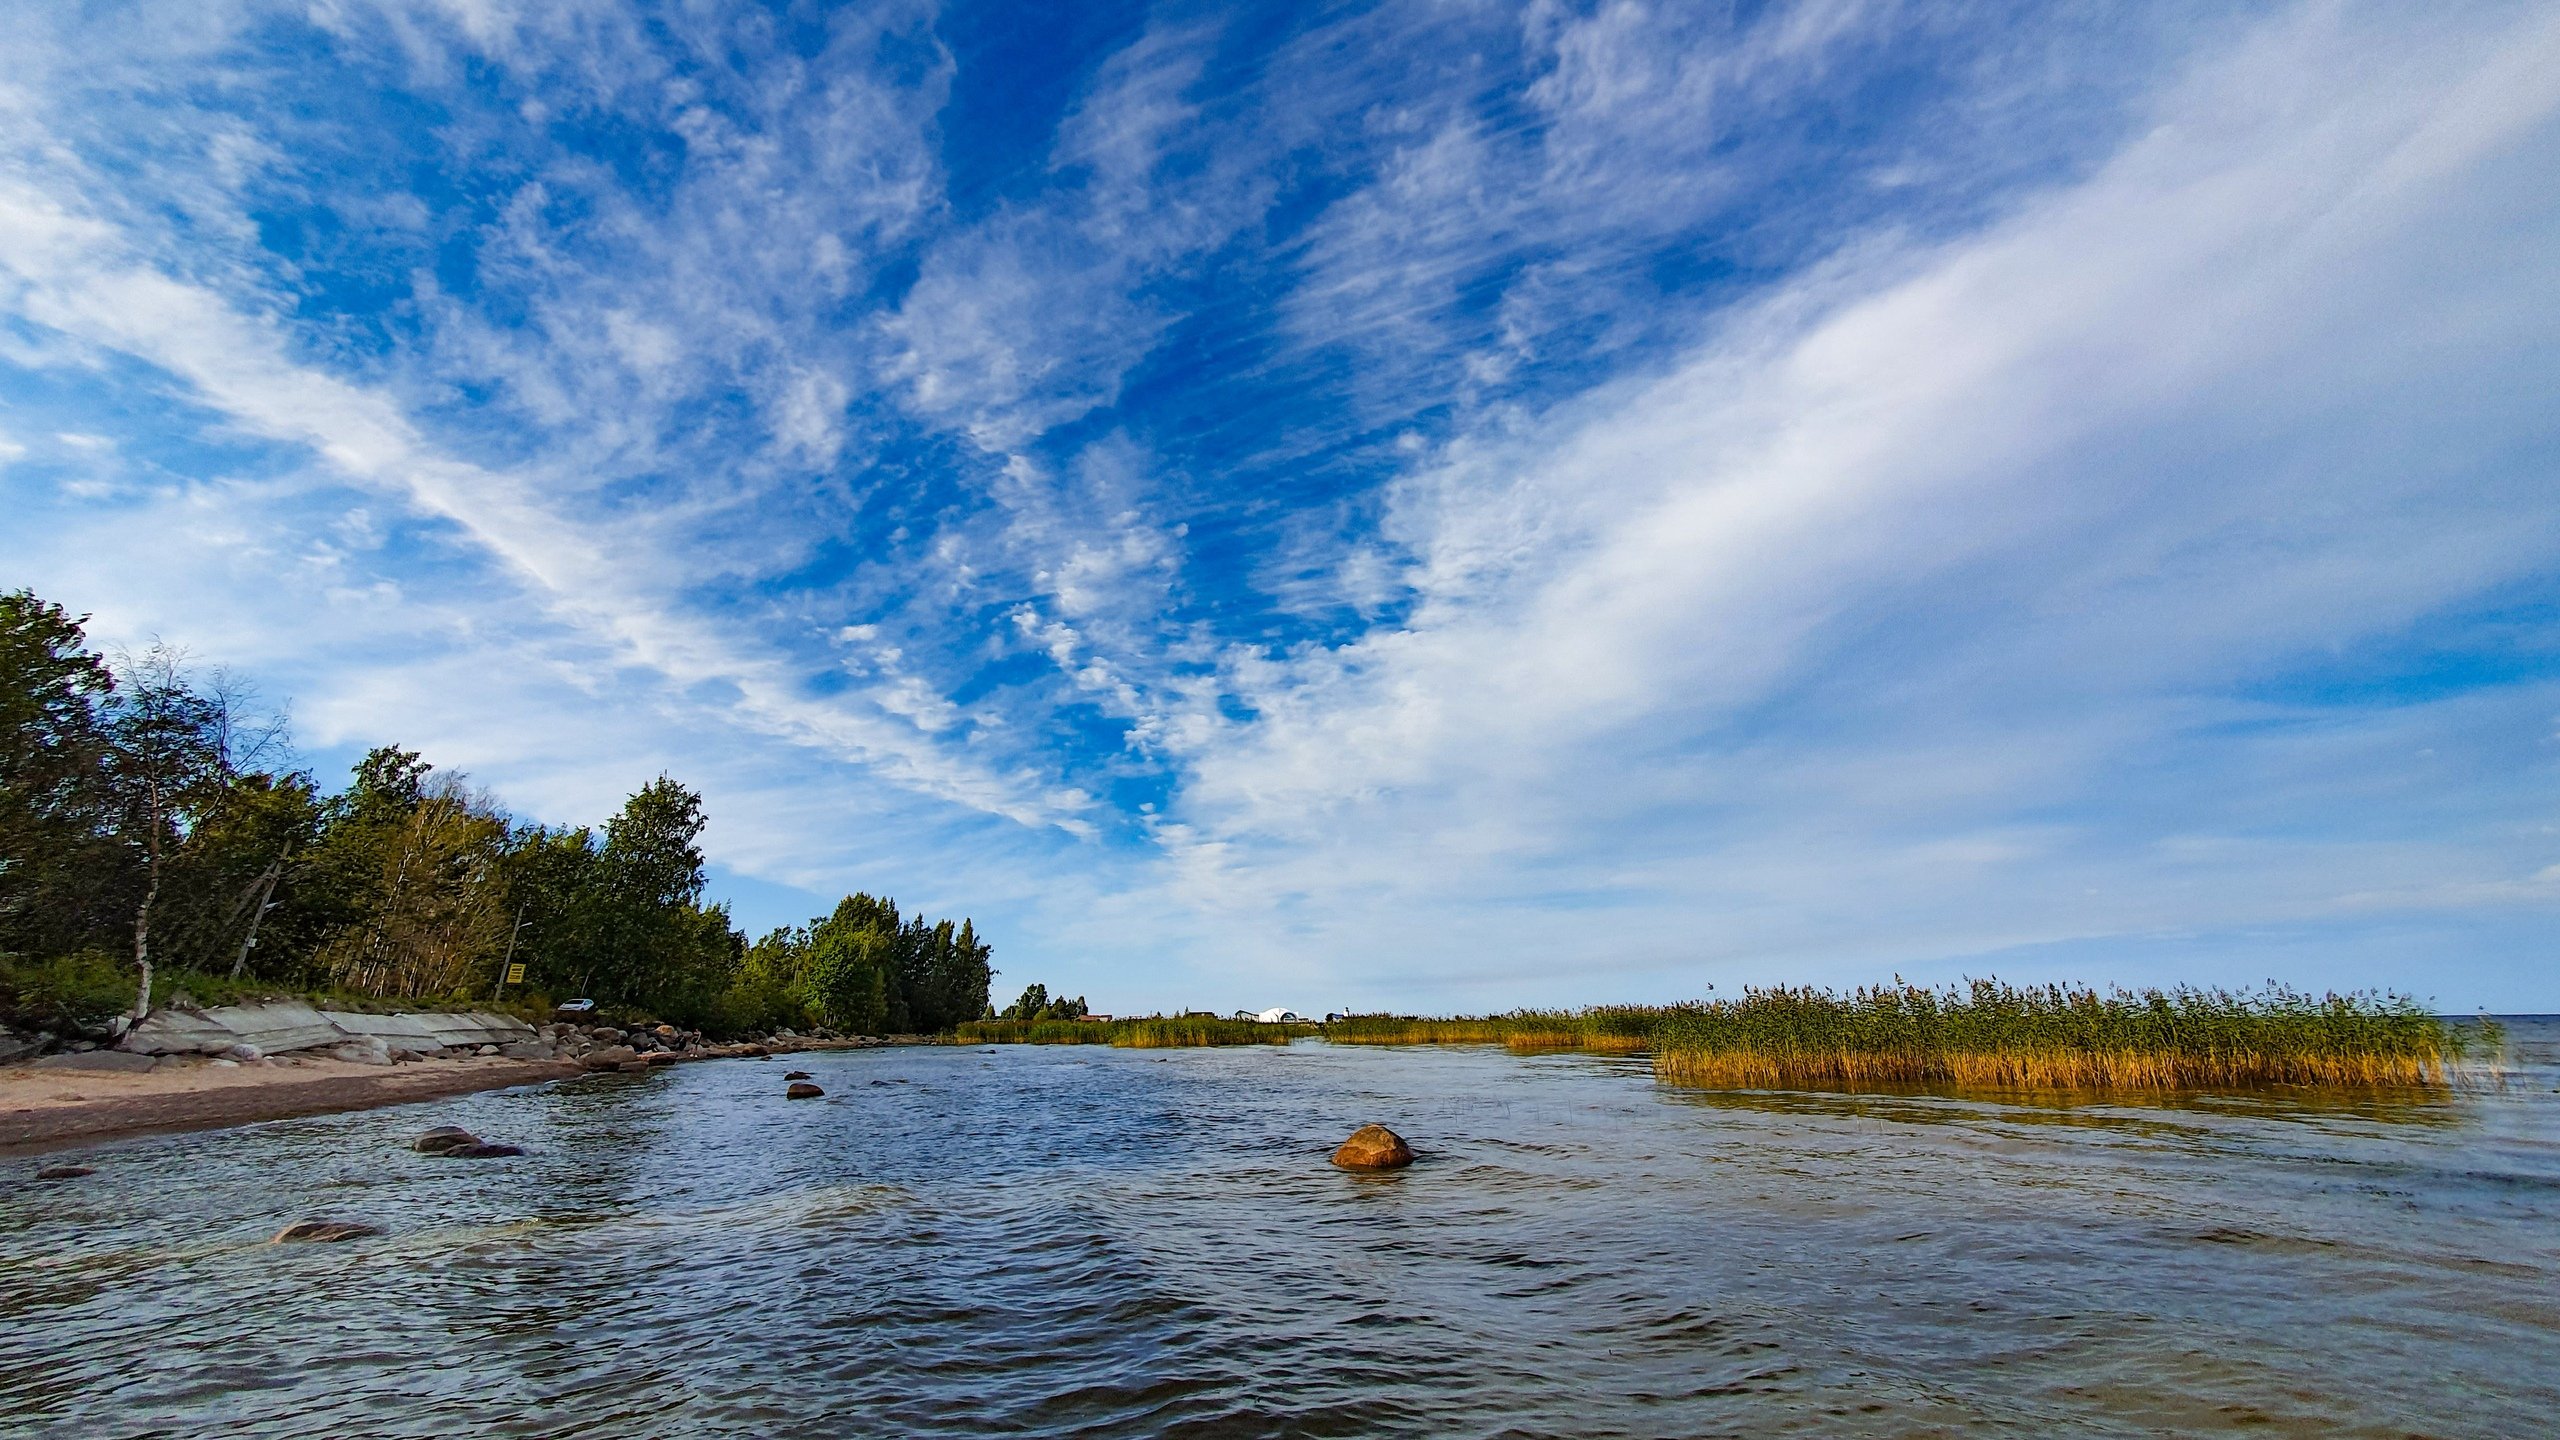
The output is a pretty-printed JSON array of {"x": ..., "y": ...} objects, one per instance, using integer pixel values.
[{"x": 515, "y": 974}]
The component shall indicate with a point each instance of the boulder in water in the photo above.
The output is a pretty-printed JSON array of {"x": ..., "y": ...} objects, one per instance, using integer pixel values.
[
  {"x": 803, "y": 1090},
  {"x": 1373, "y": 1147},
  {"x": 443, "y": 1138},
  {"x": 65, "y": 1172},
  {"x": 322, "y": 1231},
  {"x": 482, "y": 1150},
  {"x": 795, "y": 1075}
]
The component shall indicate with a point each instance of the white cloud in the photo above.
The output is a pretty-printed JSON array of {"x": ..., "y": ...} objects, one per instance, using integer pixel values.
[
  {"x": 1907, "y": 610},
  {"x": 2157, "y": 431}
]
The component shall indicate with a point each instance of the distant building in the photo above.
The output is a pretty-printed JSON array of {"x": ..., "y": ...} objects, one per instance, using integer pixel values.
[{"x": 1279, "y": 1016}]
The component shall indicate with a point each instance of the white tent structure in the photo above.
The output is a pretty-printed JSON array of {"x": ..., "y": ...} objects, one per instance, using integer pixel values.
[{"x": 1278, "y": 1015}]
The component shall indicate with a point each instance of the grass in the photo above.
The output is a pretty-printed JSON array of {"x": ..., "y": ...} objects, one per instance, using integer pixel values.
[
  {"x": 1153, "y": 1033},
  {"x": 1989, "y": 1035}
]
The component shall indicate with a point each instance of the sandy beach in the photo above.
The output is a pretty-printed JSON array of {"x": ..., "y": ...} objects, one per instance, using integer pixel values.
[{"x": 42, "y": 1109}]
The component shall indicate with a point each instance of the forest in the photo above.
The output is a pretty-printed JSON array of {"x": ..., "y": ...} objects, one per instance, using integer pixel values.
[{"x": 157, "y": 830}]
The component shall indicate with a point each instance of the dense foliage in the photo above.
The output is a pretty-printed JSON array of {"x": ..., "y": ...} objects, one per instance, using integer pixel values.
[{"x": 151, "y": 820}]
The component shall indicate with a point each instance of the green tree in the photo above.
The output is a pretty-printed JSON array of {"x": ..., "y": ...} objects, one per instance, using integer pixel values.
[
  {"x": 64, "y": 876},
  {"x": 1033, "y": 1004},
  {"x": 177, "y": 749},
  {"x": 849, "y": 968}
]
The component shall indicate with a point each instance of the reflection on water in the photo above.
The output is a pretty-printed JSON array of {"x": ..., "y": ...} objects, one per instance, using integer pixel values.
[{"x": 1037, "y": 1241}]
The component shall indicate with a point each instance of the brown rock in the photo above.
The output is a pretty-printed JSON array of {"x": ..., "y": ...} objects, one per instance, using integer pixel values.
[
  {"x": 65, "y": 1172},
  {"x": 803, "y": 1090},
  {"x": 442, "y": 1139},
  {"x": 322, "y": 1231},
  {"x": 1374, "y": 1147},
  {"x": 482, "y": 1150},
  {"x": 663, "y": 1057},
  {"x": 795, "y": 1075},
  {"x": 608, "y": 1058}
]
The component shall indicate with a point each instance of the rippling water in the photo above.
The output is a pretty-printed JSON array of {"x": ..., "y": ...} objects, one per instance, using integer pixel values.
[{"x": 1058, "y": 1241}]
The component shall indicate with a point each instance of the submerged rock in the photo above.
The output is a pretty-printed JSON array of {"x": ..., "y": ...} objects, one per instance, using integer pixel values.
[
  {"x": 1373, "y": 1147},
  {"x": 443, "y": 1138},
  {"x": 322, "y": 1231},
  {"x": 795, "y": 1075},
  {"x": 65, "y": 1172},
  {"x": 482, "y": 1150},
  {"x": 803, "y": 1090}
]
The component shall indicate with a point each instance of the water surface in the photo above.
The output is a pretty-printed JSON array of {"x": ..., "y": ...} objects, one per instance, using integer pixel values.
[{"x": 1083, "y": 1241}]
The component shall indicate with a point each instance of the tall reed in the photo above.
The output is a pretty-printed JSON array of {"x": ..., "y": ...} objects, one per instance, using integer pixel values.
[
  {"x": 1607, "y": 1029},
  {"x": 2060, "y": 1037},
  {"x": 1192, "y": 1030},
  {"x": 1151, "y": 1033}
]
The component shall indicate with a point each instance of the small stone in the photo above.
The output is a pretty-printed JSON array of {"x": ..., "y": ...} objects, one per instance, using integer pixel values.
[
  {"x": 443, "y": 1138},
  {"x": 220, "y": 1063},
  {"x": 795, "y": 1075},
  {"x": 1373, "y": 1147},
  {"x": 322, "y": 1231},
  {"x": 65, "y": 1172},
  {"x": 244, "y": 1052},
  {"x": 482, "y": 1150},
  {"x": 486, "y": 1050},
  {"x": 803, "y": 1090}
]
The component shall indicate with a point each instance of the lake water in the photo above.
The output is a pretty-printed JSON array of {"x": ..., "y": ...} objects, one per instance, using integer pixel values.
[{"x": 1081, "y": 1241}]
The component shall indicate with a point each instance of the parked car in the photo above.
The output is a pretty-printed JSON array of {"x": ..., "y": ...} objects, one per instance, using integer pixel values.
[{"x": 574, "y": 1010}]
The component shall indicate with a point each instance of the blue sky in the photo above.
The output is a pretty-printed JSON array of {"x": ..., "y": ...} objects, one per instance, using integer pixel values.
[{"x": 1438, "y": 505}]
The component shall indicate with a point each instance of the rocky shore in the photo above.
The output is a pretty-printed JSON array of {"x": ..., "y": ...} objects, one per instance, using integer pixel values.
[{"x": 74, "y": 1095}]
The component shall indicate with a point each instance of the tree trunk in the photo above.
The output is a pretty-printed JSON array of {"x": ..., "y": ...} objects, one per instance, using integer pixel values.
[
  {"x": 142, "y": 947},
  {"x": 266, "y": 888}
]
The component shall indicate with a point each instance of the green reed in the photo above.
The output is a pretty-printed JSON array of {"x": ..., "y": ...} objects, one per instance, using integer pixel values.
[
  {"x": 1611, "y": 1029},
  {"x": 1150, "y": 1033}
]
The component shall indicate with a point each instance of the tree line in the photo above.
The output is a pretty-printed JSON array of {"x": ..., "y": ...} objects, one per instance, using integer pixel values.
[{"x": 153, "y": 819}]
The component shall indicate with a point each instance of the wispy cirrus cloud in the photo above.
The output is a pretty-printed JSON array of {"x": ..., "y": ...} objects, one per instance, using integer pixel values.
[{"x": 1376, "y": 501}]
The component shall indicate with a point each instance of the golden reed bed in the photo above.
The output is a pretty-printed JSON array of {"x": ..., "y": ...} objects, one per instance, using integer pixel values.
[
  {"x": 1991, "y": 1036},
  {"x": 1995, "y": 1070}
]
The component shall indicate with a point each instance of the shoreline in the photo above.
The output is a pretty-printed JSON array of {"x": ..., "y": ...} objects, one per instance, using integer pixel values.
[
  {"x": 43, "y": 1110},
  {"x": 53, "y": 1109}
]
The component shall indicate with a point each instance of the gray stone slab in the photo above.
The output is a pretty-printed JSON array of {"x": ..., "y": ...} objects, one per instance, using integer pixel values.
[
  {"x": 277, "y": 1026},
  {"x": 273, "y": 1028},
  {"x": 397, "y": 1032},
  {"x": 98, "y": 1060}
]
